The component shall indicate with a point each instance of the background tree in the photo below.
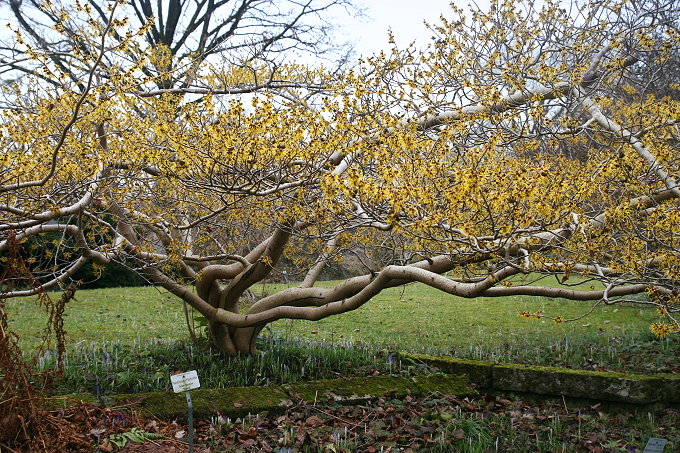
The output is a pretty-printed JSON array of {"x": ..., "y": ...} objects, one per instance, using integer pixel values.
[
  {"x": 440, "y": 163},
  {"x": 178, "y": 38}
]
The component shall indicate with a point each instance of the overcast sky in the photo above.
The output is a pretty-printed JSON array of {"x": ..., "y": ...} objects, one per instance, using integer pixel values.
[
  {"x": 404, "y": 17},
  {"x": 369, "y": 34}
]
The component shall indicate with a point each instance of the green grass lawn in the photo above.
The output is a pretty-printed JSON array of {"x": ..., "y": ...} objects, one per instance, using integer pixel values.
[
  {"x": 124, "y": 314},
  {"x": 413, "y": 318},
  {"x": 124, "y": 339},
  {"x": 420, "y": 318}
]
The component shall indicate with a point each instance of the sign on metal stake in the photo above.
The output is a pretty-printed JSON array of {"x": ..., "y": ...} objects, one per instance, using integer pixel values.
[{"x": 183, "y": 383}]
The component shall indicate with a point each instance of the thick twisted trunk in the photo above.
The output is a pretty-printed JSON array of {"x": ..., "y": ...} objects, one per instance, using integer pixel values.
[
  {"x": 230, "y": 340},
  {"x": 234, "y": 340},
  {"x": 251, "y": 269}
]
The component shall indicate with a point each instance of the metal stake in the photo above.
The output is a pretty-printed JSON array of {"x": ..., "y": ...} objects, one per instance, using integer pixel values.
[{"x": 190, "y": 422}]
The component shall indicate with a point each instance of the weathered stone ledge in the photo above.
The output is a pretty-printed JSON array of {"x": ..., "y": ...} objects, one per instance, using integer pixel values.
[
  {"x": 234, "y": 402},
  {"x": 541, "y": 380},
  {"x": 239, "y": 401}
]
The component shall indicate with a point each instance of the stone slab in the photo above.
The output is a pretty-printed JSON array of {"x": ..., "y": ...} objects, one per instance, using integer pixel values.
[
  {"x": 240, "y": 401},
  {"x": 595, "y": 385}
]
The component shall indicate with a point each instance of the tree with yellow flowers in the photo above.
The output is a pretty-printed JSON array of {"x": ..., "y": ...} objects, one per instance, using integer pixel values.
[{"x": 521, "y": 142}]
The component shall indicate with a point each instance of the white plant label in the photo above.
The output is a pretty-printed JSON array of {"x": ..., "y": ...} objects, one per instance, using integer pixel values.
[{"x": 185, "y": 381}]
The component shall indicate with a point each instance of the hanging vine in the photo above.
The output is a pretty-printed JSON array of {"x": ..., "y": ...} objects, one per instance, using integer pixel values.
[{"x": 22, "y": 389}]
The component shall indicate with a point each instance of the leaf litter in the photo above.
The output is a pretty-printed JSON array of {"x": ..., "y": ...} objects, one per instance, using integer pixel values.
[{"x": 434, "y": 423}]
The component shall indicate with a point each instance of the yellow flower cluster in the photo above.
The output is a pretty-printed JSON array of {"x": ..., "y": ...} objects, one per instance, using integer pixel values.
[{"x": 662, "y": 330}]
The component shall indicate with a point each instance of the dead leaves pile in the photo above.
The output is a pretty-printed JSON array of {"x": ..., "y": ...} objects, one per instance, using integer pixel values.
[
  {"x": 443, "y": 423},
  {"x": 437, "y": 422},
  {"x": 85, "y": 427}
]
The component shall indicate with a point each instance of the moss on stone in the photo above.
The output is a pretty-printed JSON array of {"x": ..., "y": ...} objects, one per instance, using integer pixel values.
[
  {"x": 446, "y": 384},
  {"x": 235, "y": 401},
  {"x": 355, "y": 389},
  {"x": 60, "y": 402},
  {"x": 593, "y": 373},
  {"x": 669, "y": 389},
  {"x": 361, "y": 389},
  {"x": 478, "y": 372},
  {"x": 536, "y": 380},
  {"x": 576, "y": 383},
  {"x": 239, "y": 401},
  {"x": 545, "y": 380}
]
